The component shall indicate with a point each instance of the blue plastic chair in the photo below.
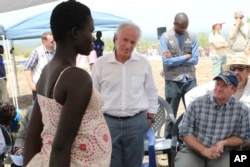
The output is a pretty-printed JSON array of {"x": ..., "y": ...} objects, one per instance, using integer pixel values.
[
  {"x": 150, "y": 136},
  {"x": 164, "y": 114}
]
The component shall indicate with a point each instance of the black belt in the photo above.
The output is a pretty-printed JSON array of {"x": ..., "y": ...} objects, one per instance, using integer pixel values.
[{"x": 121, "y": 118}]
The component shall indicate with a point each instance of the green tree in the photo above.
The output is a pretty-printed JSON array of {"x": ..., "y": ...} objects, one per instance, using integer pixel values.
[
  {"x": 248, "y": 19},
  {"x": 203, "y": 40}
]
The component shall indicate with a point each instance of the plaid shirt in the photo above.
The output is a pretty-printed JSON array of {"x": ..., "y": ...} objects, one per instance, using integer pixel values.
[
  {"x": 33, "y": 58},
  {"x": 210, "y": 123}
]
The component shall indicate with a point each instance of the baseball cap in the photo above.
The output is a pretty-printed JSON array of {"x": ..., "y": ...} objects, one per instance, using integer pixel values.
[
  {"x": 228, "y": 77},
  {"x": 217, "y": 21}
]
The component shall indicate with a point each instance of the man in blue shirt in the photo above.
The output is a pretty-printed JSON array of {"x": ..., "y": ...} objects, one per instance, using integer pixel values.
[
  {"x": 99, "y": 44},
  {"x": 4, "y": 96},
  {"x": 179, "y": 51}
]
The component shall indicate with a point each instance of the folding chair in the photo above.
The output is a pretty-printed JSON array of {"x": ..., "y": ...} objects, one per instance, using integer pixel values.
[
  {"x": 162, "y": 145},
  {"x": 176, "y": 143},
  {"x": 8, "y": 144}
]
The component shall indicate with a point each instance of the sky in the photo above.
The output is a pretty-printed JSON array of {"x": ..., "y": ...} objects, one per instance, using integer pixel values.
[{"x": 151, "y": 14}]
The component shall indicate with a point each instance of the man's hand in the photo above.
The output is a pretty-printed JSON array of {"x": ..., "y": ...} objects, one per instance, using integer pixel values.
[
  {"x": 18, "y": 151},
  {"x": 150, "y": 118},
  {"x": 218, "y": 147},
  {"x": 188, "y": 56},
  {"x": 238, "y": 21},
  {"x": 167, "y": 54},
  {"x": 210, "y": 153},
  {"x": 32, "y": 86}
]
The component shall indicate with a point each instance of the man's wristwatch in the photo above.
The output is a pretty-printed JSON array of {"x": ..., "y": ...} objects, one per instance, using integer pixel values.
[{"x": 151, "y": 119}]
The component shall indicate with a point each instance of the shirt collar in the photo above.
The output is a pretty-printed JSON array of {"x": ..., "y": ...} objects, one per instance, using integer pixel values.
[
  {"x": 134, "y": 57},
  {"x": 212, "y": 99}
]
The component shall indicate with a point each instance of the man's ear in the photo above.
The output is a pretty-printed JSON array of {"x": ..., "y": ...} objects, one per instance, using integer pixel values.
[{"x": 234, "y": 89}]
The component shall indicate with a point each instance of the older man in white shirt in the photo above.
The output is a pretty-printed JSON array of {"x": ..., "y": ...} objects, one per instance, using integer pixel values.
[{"x": 125, "y": 81}]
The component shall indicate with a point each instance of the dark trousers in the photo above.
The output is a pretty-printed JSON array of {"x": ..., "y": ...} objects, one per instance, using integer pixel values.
[
  {"x": 33, "y": 97},
  {"x": 128, "y": 140},
  {"x": 174, "y": 92}
]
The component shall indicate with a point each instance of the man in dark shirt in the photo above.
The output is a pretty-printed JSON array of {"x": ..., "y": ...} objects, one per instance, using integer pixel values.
[
  {"x": 99, "y": 44},
  {"x": 3, "y": 80}
]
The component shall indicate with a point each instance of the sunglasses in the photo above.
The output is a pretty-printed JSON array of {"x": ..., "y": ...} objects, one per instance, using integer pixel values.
[
  {"x": 239, "y": 17},
  {"x": 240, "y": 68}
]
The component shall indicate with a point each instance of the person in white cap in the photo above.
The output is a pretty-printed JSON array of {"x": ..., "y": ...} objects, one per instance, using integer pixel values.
[
  {"x": 218, "y": 47},
  {"x": 240, "y": 34}
]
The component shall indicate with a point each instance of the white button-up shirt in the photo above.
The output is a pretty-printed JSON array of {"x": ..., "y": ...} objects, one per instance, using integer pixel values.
[{"x": 127, "y": 88}]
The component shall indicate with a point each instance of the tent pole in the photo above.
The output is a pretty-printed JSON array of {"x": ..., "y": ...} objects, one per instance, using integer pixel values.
[
  {"x": 15, "y": 66},
  {"x": 10, "y": 71}
]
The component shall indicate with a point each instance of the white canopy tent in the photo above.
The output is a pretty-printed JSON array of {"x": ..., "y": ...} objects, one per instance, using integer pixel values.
[
  {"x": 11, "y": 10},
  {"x": 11, "y": 19},
  {"x": 10, "y": 5}
]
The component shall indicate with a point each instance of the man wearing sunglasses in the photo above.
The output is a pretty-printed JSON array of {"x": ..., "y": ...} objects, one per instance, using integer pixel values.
[
  {"x": 240, "y": 34},
  {"x": 240, "y": 66}
]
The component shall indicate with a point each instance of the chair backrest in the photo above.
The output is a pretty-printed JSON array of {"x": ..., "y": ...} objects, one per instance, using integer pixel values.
[
  {"x": 176, "y": 143},
  {"x": 163, "y": 114},
  {"x": 7, "y": 138}
]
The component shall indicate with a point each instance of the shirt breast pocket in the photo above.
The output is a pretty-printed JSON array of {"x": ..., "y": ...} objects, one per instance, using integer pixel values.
[
  {"x": 137, "y": 83},
  {"x": 187, "y": 48}
]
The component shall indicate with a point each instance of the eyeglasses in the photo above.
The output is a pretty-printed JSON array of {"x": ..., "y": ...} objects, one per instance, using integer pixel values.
[
  {"x": 240, "y": 68},
  {"x": 239, "y": 18}
]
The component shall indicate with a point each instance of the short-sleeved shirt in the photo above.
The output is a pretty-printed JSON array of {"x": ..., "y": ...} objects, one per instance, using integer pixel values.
[
  {"x": 210, "y": 123},
  {"x": 217, "y": 38},
  {"x": 99, "y": 46},
  {"x": 33, "y": 58}
]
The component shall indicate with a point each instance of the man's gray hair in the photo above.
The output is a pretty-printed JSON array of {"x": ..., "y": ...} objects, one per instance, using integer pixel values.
[
  {"x": 239, "y": 13},
  {"x": 126, "y": 25}
]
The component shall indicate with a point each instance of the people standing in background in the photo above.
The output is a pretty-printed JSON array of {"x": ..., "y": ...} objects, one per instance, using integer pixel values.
[
  {"x": 125, "y": 80},
  {"x": 99, "y": 44},
  {"x": 38, "y": 58},
  {"x": 4, "y": 95},
  {"x": 180, "y": 53},
  {"x": 219, "y": 47},
  {"x": 86, "y": 62},
  {"x": 240, "y": 35}
]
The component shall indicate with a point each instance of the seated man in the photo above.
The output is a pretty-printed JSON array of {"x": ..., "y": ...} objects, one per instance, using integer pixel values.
[
  {"x": 213, "y": 125},
  {"x": 240, "y": 66}
]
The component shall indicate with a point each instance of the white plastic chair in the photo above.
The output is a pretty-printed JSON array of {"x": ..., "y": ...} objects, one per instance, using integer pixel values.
[{"x": 162, "y": 145}]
